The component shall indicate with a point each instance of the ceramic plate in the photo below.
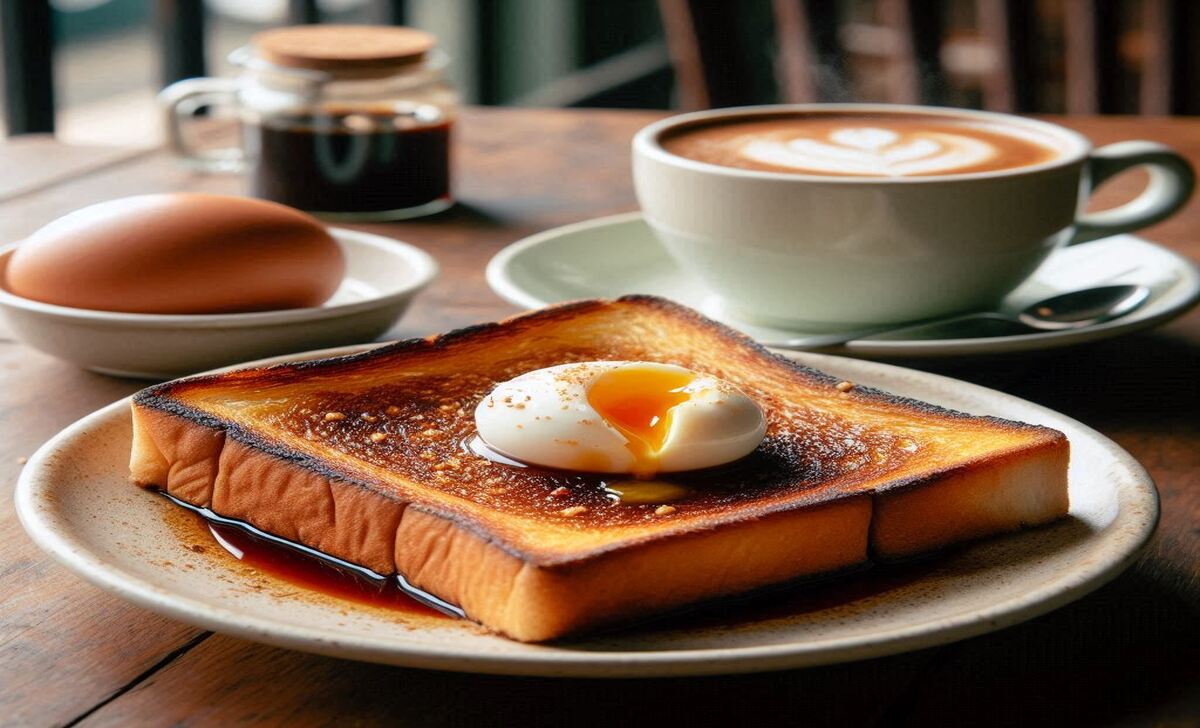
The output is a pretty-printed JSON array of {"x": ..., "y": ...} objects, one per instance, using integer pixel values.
[
  {"x": 613, "y": 256},
  {"x": 382, "y": 277},
  {"x": 74, "y": 499}
]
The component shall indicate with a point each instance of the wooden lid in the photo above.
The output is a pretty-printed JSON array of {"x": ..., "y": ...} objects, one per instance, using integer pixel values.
[{"x": 359, "y": 49}]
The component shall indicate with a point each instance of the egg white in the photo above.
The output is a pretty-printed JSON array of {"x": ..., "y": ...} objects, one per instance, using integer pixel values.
[{"x": 543, "y": 417}]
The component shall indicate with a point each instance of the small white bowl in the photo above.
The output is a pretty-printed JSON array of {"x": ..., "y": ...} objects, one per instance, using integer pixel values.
[{"x": 382, "y": 276}]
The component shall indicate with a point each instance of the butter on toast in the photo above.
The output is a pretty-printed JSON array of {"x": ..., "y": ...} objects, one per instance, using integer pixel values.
[{"x": 363, "y": 457}]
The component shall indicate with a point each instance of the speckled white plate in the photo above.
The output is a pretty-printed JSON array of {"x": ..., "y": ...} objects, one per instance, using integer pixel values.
[
  {"x": 611, "y": 256},
  {"x": 75, "y": 501}
]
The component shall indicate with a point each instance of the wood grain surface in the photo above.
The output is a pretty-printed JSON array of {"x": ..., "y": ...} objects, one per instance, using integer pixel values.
[{"x": 1127, "y": 655}]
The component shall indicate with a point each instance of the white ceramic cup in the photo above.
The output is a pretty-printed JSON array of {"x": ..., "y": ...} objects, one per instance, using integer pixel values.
[{"x": 832, "y": 251}]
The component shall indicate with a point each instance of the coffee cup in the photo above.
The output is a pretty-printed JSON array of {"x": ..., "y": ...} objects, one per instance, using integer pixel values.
[{"x": 841, "y": 215}]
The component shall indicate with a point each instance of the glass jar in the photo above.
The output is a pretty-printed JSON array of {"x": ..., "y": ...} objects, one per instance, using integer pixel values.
[{"x": 347, "y": 122}]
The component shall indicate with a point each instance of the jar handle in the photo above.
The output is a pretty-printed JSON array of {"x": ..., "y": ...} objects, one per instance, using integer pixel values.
[{"x": 180, "y": 101}]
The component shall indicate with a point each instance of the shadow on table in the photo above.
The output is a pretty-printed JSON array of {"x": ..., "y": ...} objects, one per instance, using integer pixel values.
[{"x": 1124, "y": 656}]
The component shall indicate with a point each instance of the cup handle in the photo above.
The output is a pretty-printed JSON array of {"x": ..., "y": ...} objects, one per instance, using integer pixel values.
[
  {"x": 1171, "y": 182},
  {"x": 180, "y": 101}
]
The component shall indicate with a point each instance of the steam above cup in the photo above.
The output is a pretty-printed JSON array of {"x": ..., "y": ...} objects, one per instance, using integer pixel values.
[{"x": 864, "y": 214}]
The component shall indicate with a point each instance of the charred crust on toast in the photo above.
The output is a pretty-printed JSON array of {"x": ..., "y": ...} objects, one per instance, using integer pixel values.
[
  {"x": 152, "y": 396},
  {"x": 933, "y": 410}
]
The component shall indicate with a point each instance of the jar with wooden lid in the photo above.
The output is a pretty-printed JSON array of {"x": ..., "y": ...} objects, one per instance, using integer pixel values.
[{"x": 347, "y": 122}]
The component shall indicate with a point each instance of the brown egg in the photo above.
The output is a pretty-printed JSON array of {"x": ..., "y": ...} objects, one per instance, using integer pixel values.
[{"x": 179, "y": 254}]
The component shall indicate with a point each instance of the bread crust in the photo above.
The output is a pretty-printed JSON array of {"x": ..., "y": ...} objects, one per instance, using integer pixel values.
[{"x": 534, "y": 579}]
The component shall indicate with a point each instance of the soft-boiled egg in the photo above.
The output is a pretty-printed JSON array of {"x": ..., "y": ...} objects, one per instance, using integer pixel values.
[
  {"x": 620, "y": 417},
  {"x": 177, "y": 253}
]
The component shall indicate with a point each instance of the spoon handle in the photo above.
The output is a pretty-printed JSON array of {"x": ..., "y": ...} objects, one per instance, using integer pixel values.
[{"x": 834, "y": 338}]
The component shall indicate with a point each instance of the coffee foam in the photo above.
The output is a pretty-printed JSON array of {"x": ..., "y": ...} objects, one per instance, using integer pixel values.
[
  {"x": 863, "y": 145},
  {"x": 873, "y": 150}
]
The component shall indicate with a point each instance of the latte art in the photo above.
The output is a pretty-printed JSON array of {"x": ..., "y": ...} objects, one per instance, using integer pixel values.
[
  {"x": 877, "y": 145},
  {"x": 873, "y": 151}
]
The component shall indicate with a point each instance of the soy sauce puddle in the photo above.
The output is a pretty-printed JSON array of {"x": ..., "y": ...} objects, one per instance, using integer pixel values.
[{"x": 312, "y": 569}]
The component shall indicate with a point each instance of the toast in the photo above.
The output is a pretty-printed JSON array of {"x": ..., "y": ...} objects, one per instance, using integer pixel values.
[{"x": 362, "y": 457}]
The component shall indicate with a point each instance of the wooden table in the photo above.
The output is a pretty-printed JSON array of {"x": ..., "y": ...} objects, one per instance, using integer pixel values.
[{"x": 1127, "y": 654}]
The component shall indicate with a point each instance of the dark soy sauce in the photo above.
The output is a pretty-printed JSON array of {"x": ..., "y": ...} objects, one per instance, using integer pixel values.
[
  {"x": 305, "y": 567},
  {"x": 311, "y": 569}
]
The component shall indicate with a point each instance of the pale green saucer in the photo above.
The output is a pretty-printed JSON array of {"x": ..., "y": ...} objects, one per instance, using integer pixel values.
[{"x": 617, "y": 255}]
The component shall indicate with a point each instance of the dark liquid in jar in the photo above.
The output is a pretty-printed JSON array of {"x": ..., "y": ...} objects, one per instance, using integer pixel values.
[{"x": 350, "y": 162}]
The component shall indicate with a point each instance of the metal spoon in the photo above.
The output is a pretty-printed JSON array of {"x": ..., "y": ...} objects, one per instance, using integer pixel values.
[{"x": 1072, "y": 310}]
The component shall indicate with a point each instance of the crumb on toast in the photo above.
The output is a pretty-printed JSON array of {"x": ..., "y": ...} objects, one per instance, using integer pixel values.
[{"x": 363, "y": 457}]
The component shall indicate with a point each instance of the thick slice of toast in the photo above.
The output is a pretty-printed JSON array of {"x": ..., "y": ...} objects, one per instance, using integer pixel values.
[{"x": 365, "y": 458}]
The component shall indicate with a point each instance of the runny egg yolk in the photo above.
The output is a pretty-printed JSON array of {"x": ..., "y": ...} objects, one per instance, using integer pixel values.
[
  {"x": 638, "y": 403},
  {"x": 626, "y": 417}
]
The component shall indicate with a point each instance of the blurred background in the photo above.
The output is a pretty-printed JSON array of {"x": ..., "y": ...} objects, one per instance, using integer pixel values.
[{"x": 89, "y": 69}]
